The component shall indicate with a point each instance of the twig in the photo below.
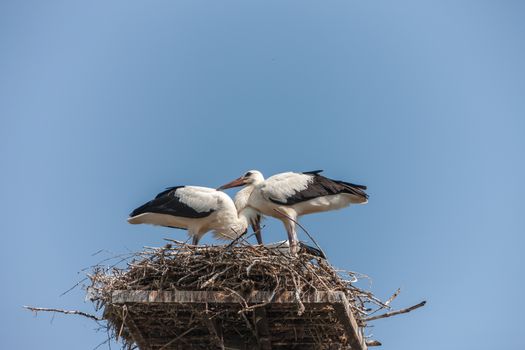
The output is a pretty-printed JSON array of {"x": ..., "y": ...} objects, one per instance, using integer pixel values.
[
  {"x": 373, "y": 343},
  {"x": 107, "y": 341},
  {"x": 393, "y": 313},
  {"x": 76, "y": 285},
  {"x": 393, "y": 296},
  {"x": 177, "y": 338},
  {"x": 233, "y": 242},
  {"x": 241, "y": 236},
  {"x": 67, "y": 312}
]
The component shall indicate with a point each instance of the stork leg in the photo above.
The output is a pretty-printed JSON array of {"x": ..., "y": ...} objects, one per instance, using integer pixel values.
[
  {"x": 292, "y": 236},
  {"x": 195, "y": 240},
  {"x": 256, "y": 227}
]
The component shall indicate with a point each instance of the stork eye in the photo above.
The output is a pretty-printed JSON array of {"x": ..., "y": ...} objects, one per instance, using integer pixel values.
[{"x": 248, "y": 174}]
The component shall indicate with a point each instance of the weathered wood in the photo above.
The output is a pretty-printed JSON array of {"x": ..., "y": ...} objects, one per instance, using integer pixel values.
[
  {"x": 211, "y": 297},
  {"x": 332, "y": 303},
  {"x": 136, "y": 334},
  {"x": 204, "y": 341},
  {"x": 215, "y": 332},
  {"x": 262, "y": 329},
  {"x": 344, "y": 314}
]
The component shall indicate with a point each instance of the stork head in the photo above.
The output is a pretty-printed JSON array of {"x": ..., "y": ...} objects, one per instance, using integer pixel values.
[{"x": 249, "y": 178}]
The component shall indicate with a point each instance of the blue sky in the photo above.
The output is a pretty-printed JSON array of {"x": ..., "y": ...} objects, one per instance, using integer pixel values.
[{"x": 103, "y": 104}]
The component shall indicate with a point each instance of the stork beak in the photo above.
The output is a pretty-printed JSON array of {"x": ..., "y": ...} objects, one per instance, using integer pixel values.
[{"x": 235, "y": 183}]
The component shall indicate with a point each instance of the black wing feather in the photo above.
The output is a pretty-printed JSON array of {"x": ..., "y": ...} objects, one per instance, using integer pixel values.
[
  {"x": 167, "y": 190},
  {"x": 313, "y": 172},
  {"x": 167, "y": 202},
  {"x": 323, "y": 186},
  {"x": 362, "y": 187}
]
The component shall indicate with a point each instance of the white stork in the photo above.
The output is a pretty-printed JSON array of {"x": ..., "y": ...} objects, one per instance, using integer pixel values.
[
  {"x": 196, "y": 209},
  {"x": 287, "y": 196}
]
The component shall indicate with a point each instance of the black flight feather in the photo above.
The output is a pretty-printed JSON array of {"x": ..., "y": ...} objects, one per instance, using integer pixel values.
[
  {"x": 323, "y": 186},
  {"x": 313, "y": 172},
  {"x": 167, "y": 202}
]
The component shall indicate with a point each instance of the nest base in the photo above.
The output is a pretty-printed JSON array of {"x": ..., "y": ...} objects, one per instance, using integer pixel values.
[
  {"x": 221, "y": 320},
  {"x": 236, "y": 297}
]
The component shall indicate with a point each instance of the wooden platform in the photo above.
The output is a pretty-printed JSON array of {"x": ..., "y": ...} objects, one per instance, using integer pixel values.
[{"x": 168, "y": 320}]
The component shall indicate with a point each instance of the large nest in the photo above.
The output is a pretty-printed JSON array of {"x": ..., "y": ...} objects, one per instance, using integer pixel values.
[{"x": 238, "y": 270}]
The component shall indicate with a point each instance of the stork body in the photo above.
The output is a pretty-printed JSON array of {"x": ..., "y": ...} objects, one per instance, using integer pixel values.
[
  {"x": 287, "y": 196},
  {"x": 196, "y": 209}
]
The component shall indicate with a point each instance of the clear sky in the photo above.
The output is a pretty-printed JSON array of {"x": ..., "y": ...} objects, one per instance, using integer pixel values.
[{"x": 105, "y": 103}]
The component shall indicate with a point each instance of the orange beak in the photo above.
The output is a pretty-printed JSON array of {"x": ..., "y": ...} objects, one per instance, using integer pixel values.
[{"x": 235, "y": 183}]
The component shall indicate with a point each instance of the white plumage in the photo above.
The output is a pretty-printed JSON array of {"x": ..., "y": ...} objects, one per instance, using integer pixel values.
[
  {"x": 289, "y": 195},
  {"x": 203, "y": 199},
  {"x": 196, "y": 209},
  {"x": 284, "y": 185}
]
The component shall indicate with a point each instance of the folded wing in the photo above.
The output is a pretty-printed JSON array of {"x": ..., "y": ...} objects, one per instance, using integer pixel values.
[
  {"x": 181, "y": 201},
  {"x": 291, "y": 188}
]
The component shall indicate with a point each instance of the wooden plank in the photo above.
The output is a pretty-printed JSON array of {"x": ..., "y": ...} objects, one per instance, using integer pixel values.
[
  {"x": 136, "y": 333},
  {"x": 203, "y": 297},
  {"x": 262, "y": 329},
  {"x": 345, "y": 316}
]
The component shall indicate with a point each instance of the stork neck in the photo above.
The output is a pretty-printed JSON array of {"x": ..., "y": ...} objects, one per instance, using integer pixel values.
[
  {"x": 241, "y": 198},
  {"x": 246, "y": 216}
]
